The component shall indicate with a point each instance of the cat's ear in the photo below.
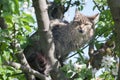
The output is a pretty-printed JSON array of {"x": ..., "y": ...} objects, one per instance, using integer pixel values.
[
  {"x": 76, "y": 14},
  {"x": 94, "y": 18},
  {"x": 77, "y": 11}
]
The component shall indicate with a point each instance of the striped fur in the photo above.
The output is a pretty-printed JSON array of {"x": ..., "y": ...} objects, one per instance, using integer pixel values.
[{"x": 72, "y": 36}]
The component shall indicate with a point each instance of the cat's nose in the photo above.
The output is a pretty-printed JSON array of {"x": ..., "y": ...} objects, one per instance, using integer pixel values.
[{"x": 81, "y": 31}]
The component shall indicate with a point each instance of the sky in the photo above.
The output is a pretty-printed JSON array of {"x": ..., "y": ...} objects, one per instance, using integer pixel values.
[{"x": 87, "y": 10}]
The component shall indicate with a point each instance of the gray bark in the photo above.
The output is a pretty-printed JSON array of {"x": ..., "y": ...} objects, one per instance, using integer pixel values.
[
  {"x": 115, "y": 10},
  {"x": 46, "y": 38}
]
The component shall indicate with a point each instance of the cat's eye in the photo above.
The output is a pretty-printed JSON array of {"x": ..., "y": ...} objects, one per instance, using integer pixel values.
[
  {"x": 78, "y": 22},
  {"x": 86, "y": 24}
]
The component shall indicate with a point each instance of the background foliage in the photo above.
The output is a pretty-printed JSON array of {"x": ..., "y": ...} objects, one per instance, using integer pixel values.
[
  {"x": 19, "y": 25},
  {"x": 19, "y": 17}
]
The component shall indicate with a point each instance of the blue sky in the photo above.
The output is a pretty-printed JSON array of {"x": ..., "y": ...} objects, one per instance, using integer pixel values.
[{"x": 87, "y": 10}]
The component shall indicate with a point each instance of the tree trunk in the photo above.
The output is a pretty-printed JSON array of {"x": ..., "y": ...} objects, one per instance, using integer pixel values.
[
  {"x": 115, "y": 10},
  {"x": 45, "y": 38}
]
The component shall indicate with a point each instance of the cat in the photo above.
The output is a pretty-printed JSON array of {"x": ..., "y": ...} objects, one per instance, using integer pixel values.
[
  {"x": 67, "y": 37},
  {"x": 72, "y": 36}
]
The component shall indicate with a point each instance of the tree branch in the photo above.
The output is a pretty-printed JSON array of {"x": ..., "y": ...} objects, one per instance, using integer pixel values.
[
  {"x": 91, "y": 50},
  {"x": 97, "y": 6},
  {"x": 68, "y": 6},
  {"x": 26, "y": 69},
  {"x": 24, "y": 62},
  {"x": 46, "y": 41},
  {"x": 46, "y": 38},
  {"x": 41, "y": 14}
]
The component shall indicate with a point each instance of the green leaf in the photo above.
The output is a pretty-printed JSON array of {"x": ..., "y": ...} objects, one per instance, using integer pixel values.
[
  {"x": 79, "y": 79},
  {"x": 94, "y": 8},
  {"x": 80, "y": 7},
  {"x": 28, "y": 18},
  {"x": 69, "y": 74},
  {"x": 8, "y": 17},
  {"x": 16, "y": 6},
  {"x": 28, "y": 28},
  {"x": 98, "y": 44},
  {"x": 6, "y": 6},
  {"x": 3, "y": 46}
]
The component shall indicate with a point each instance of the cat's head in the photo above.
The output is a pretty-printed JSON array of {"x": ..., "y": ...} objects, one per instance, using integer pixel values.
[{"x": 83, "y": 23}]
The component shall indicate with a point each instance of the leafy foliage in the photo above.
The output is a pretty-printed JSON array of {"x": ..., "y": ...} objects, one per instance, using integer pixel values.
[
  {"x": 19, "y": 27},
  {"x": 21, "y": 24}
]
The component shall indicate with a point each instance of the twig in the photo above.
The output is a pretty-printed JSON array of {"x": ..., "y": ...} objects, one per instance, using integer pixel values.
[
  {"x": 97, "y": 6},
  {"x": 76, "y": 52},
  {"x": 69, "y": 3},
  {"x": 91, "y": 47}
]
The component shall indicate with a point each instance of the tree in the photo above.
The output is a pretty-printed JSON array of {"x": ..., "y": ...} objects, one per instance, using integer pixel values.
[
  {"x": 16, "y": 25},
  {"x": 114, "y": 6}
]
